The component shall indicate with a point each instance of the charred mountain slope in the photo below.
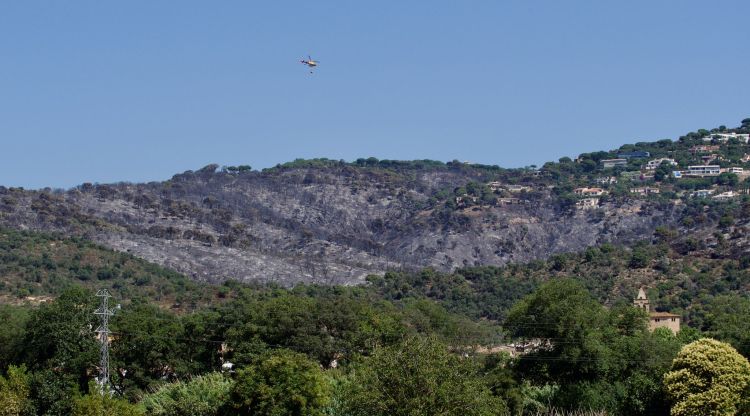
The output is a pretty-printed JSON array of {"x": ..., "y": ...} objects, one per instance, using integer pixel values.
[{"x": 331, "y": 224}]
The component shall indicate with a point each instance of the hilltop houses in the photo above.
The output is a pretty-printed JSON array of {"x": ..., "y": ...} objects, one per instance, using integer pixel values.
[
  {"x": 656, "y": 319},
  {"x": 641, "y": 182},
  {"x": 667, "y": 170}
]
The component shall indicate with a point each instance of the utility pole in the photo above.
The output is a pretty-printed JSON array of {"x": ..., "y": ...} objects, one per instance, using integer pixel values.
[{"x": 103, "y": 332}]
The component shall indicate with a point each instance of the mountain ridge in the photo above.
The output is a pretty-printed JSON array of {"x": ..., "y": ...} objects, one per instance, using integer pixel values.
[{"x": 335, "y": 222}]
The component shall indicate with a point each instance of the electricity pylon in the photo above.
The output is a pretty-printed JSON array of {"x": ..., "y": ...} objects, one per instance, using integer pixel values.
[{"x": 103, "y": 333}]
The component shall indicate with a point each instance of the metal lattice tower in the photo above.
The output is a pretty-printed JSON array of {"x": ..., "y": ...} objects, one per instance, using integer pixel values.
[{"x": 103, "y": 333}]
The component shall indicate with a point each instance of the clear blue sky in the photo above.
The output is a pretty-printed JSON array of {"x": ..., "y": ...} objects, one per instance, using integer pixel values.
[{"x": 106, "y": 91}]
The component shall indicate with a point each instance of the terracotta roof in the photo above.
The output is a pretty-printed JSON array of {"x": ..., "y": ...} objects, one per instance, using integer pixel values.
[{"x": 663, "y": 315}]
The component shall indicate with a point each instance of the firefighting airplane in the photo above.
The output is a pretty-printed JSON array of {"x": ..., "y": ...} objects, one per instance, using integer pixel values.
[{"x": 310, "y": 63}]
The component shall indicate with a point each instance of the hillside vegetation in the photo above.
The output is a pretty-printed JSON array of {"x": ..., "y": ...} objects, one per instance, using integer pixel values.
[
  {"x": 39, "y": 266},
  {"x": 352, "y": 351}
]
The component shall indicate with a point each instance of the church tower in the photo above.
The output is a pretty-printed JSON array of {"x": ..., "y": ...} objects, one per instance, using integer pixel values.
[
  {"x": 656, "y": 319},
  {"x": 642, "y": 301}
]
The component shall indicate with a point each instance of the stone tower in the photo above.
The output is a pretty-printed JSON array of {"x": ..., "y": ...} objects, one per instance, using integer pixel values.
[{"x": 642, "y": 301}]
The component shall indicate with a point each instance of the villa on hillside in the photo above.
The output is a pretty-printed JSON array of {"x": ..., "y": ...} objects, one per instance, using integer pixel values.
[
  {"x": 702, "y": 193},
  {"x": 517, "y": 188},
  {"x": 703, "y": 170},
  {"x": 656, "y": 319},
  {"x": 498, "y": 186},
  {"x": 736, "y": 170},
  {"x": 589, "y": 191},
  {"x": 725, "y": 195},
  {"x": 724, "y": 137},
  {"x": 653, "y": 164}
]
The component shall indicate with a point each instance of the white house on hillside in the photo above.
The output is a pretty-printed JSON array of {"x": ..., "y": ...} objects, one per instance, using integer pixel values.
[
  {"x": 589, "y": 191},
  {"x": 725, "y": 195},
  {"x": 517, "y": 188},
  {"x": 495, "y": 185},
  {"x": 724, "y": 137},
  {"x": 703, "y": 170},
  {"x": 702, "y": 193},
  {"x": 645, "y": 190},
  {"x": 653, "y": 164},
  {"x": 736, "y": 170}
]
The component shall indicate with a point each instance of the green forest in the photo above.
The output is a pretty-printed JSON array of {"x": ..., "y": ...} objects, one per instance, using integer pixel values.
[{"x": 548, "y": 337}]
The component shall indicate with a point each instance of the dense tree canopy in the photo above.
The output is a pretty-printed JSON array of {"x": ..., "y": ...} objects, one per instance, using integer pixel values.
[
  {"x": 284, "y": 383},
  {"x": 97, "y": 404},
  {"x": 202, "y": 396},
  {"x": 14, "y": 393},
  {"x": 707, "y": 378},
  {"x": 728, "y": 318},
  {"x": 418, "y": 377},
  {"x": 147, "y": 348}
]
